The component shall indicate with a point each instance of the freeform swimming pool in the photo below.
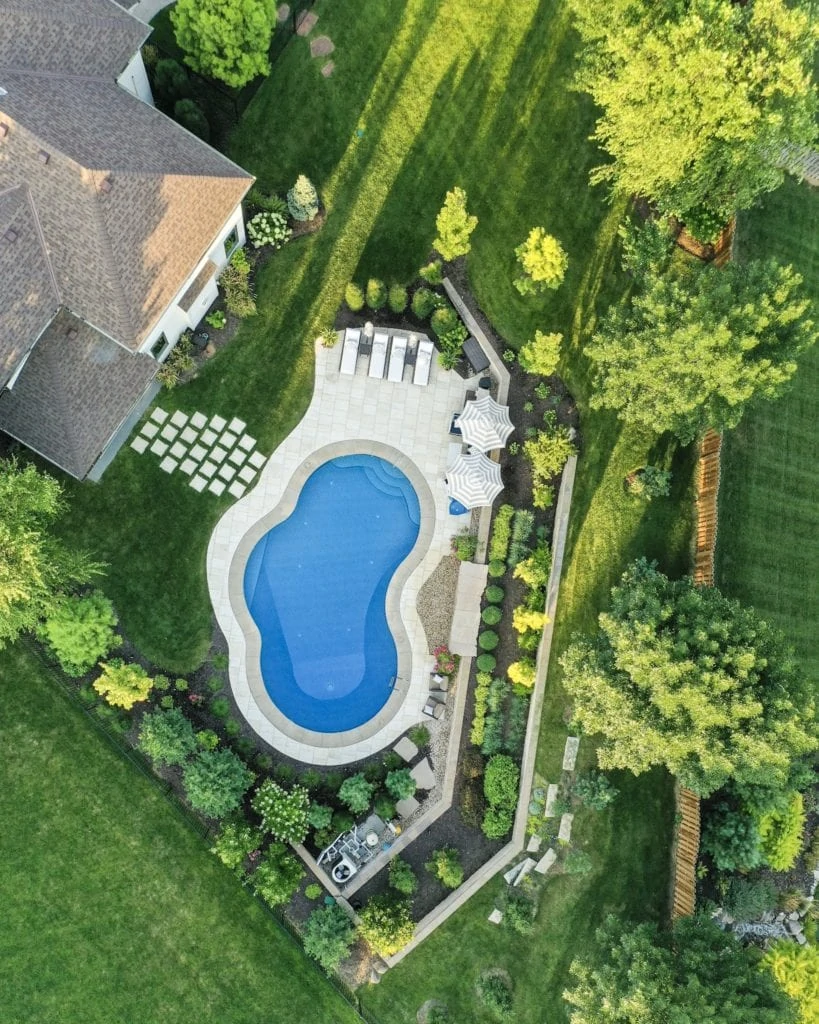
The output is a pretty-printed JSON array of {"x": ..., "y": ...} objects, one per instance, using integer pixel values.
[{"x": 316, "y": 588}]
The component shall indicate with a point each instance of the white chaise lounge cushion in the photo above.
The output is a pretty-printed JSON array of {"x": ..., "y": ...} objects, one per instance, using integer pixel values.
[
  {"x": 349, "y": 352},
  {"x": 378, "y": 358},
  {"x": 398, "y": 354},
  {"x": 423, "y": 362}
]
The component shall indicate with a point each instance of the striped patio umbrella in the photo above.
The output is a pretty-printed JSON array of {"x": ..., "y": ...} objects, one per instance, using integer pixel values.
[
  {"x": 484, "y": 424},
  {"x": 474, "y": 480}
]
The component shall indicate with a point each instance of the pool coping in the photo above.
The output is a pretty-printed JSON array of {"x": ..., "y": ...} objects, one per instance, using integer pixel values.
[{"x": 278, "y": 514}]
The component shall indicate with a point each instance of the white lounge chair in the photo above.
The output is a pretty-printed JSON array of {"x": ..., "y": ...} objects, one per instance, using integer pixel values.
[
  {"x": 378, "y": 358},
  {"x": 398, "y": 354},
  {"x": 349, "y": 352},
  {"x": 423, "y": 362}
]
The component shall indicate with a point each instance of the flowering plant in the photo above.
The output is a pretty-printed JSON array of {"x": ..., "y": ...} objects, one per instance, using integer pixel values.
[
  {"x": 268, "y": 229},
  {"x": 445, "y": 660},
  {"x": 196, "y": 699}
]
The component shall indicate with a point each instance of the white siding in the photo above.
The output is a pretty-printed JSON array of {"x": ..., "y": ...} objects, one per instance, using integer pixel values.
[{"x": 135, "y": 79}]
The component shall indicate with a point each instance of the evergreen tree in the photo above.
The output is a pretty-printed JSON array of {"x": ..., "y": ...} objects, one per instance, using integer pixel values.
[
  {"x": 543, "y": 262},
  {"x": 225, "y": 39},
  {"x": 454, "y": 226}
]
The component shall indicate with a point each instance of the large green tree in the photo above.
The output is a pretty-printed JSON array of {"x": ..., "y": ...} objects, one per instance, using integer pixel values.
[
  {"x": 690, "y": 349},
  {"x": 35, "y": 568},
  {"x": 226, "y": 39},
  {"x": 681, "y": 676},
  {"x": 694, "y": 974},
  {"x": 700, "y": 99}
]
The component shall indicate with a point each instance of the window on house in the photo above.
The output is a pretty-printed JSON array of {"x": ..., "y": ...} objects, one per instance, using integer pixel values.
[
  {"x": 231, "y": 242},
  {"x": 159, "y": 346}
]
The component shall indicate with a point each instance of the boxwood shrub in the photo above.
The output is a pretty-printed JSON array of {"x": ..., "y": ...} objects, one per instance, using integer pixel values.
[
  {"x": 494, "y": 594},
  {"x": 488, "y": 640},
  {"x": 486, "y": 662},
  {"x": 492, "y": 615},
  {"x": 497, "y": 568}
]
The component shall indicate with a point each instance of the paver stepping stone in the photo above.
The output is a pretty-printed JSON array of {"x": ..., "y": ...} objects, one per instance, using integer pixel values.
[
  {"x": 228, "y": 439},
  {"x": 219, "y": 454},
  {"x": 328, "y": 68},
  {"x": 322, "y": 46},
  {"x": 247, "y": 442},
  {"x": 159, "y": 447},
  {"x": 179, "y": 418},
  {"x": 150, "y": 430},
  {"x": 551, "y": 798},
  {"x": 305, "y": 23},
  {"x": 227, "y": 472},
  {"x": 565, "y": 831},
  {"x": 236, "y": 489},
  {"x": 510, "y": 875},
  {"x": 405, "y": 808},
  {"x": 168, "y": 432},
  {"x": 207, "y": 469},
  {"x": 423, "y": 774},
  {"x": 198, "y": 452},
  {"x": 139, "y": 444},
  {"x": 168, "y": 465},
  {"x": 495, "y": 917},
  {"x": 247, "y": 474},
  {"x": 199, "y": 483},
  {"x": 237, "y": 456},
  {"x": 218, "y": 422},
  {"x": 208, "y": 437},
  {"x": 406, "y": 749},
  {"x": 237, "y": 425},
  {"x": 187, "y": 467},
  {"x": 545, "y": 862},
  {"x": 525, "y": 869},
  {"x": 159, "y": 415},
  {"x": 178, "y": 450},
  {"x": 216, "y": 486},
  {"x": 533, "y": 846},
  {"x": 570, "y": 753},
  {"x": 198, "y": 420},
  {"x": 188, "y": 435},
  {"x": 282, "y": 13},
  {"x": 257, "y": 460}
]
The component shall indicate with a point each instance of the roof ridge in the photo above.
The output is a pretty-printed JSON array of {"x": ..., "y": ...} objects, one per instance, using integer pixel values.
[
  {"x": 38, "y": 227},
  {"x": 111, "y": 261},
  {"x": 35, "y": 73}
]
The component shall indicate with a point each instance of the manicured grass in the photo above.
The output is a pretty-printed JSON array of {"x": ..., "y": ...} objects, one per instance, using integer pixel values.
[
  {"x": 113, "y": 909},
  {"x": 768, "y": 540}
]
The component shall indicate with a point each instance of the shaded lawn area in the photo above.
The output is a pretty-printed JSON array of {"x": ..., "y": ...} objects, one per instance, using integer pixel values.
[
  {"x": 768, "y": 539},
  {"x": 113, "y": 909}
]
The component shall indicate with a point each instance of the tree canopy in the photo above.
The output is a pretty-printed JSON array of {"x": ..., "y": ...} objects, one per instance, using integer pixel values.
[
  {"x": 543, "y": 262},
  {"x": 226, "y": 39},
  {"x": 454, "y": 225},
  {"x": 691, "y": 349},
  {"x": 694, "y": 974},
  {"x": 700, "y": 98},
  {"x": 684, "y": 677}
]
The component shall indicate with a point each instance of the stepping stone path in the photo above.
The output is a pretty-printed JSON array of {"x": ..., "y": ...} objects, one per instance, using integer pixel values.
[
  {"x": 328, "y": 69},
  {"x": 525, "y": 868},
  {"x": 570, "y": 753},
  {"x": 534, "y": 844},
  {"x": 406, "y": 749},
  {"x": 322, "y": 46},
  {"x": 305, "y": 23},
  {"x": 495, "y": 917},
  {"x": 565, "y": 832},
  {"x": 214, "y": 454},
  {"x": 551, "y": 799},
  {"x": 404, "y": 808},
  {"x": 423, "y": 774},
  {"x": 282, "y": 13},
  {"x": 510, "y": 875},
  {"x": 545, "y": 862}
]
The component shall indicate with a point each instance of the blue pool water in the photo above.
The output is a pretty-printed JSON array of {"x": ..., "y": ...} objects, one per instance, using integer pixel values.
[{"x": 316, "y": 587}]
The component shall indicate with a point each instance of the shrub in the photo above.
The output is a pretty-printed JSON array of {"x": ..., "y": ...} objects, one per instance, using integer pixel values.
[
  {"x": 454, "y": 226},
  {"x": 161, "y": 683},
  {"x": 488, "y": 640},
  {"x": 283, "y": 812},
  {"x": 214, "y": 684},
  {"x": 491, "y": 615},
  {"x": 313, "y": 891},
  {"x": 577, "y": 862},
  {"x": 170, "y": 83},
  {"x": 543, "y": 263},
  {"x": 328, "y": 936},
  {"x": 215, "y": 782},
  {"x": 497, "y": 569},
  {"x": 354, "y": 297},
  {"x": 542, "y": 354},
  {"x": 494, "y": 595},
  {"x": 284, "y": 773},
  {"x": 400, "y": 784},
  {"x": 796, "y": 970},
  {"x": 486, "y": 662},
  {"x": 464, "y": 546},
  {"x": 419, "y": 735},
  {"x": 220, "y": 707},
  {"x": 524, "y": 523},
  {"x": 519, "y": 912},
  {"x": 385, "y": 924},
  {"x": 493, "y": 735},
  {"x": 501, "y": 780},
  {"x": 731, "y": 838},
  {"x": 501, "y": 534},
  {"x": 746, "y": 900},
  {"x": 397, "y": 298},
  {"x": 384, "y": 807},
  {"x": 263, "y": 201},
  {"x": 190, "y": 115},
  {"x": 517, "y": 721},
  {"x": 472, "y": 804},
  {"x": 302, "y": 199},
  {"x": 268, "y": 229},
  {"x": 178, "y": 363},
  {"x": 235, "y": 282},
  {"x": 80, "y": 631},
  {"x": 472, "y": 764},
  {"x": 310, "y": 779},
  {"x": 445, "y": 660},
  {"x": 232, "y": 727},
  {"x": 207, "y": 739},
  {"x": 180, "y": 685},
  {"x": 443, "y": 320},
  {"x": 166, "y": 737},
  {"x": 522, "y": 672},
  {"x": 235, "y": 842},
  {"x": 812, "y": 853},
  {"x": 493, "y": 992},
  {"x": 402, "y": 877},
  {"x": 376, "y": 294},
  {"x": 534, "y": 570},
  {"x": 356, "y": 793},
  {"x": 319, "y": 816},
  {"x": 479, "y": 717},
  {"x": 123, "y": 685},
  {"x": 423, "y": 303},
  {"x": 432, "y": 273},
  {"x": 594, "y": 790},
  {"x": 525, "y": 620},
  {"x": 780, "y": 833},
  {"x": 277, "y": 876},
  {"x": 547, "y": 452},
  {"x": 445, "y": 865},
  {"x": 649, "y": 482}
]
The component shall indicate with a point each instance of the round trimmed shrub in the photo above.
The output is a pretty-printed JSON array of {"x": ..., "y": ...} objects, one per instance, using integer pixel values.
[
  {"x": 354, "y": 297},
  {"x": 444, "y": 320},
  {"x": 494, "y": 594},
  {"x": 397, "y": 299},
  {"x": 497, "y": 568},
  {"x": 423, "y": 303},
  {"x": 501, "y": 781},
  {"x": 376, "y": 294},
  {"x": 492, "y": 615},
  {"x": 486, "y": 662},
  {"x": 497, "y": 822},
  {"x": 488, "y": 640}
]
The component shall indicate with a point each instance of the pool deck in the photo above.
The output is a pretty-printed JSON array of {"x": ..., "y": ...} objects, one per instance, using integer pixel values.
[{"x": 406, "y": 424}]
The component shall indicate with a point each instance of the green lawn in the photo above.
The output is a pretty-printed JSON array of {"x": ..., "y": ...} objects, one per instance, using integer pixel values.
[
  {"x": 113, "y": 909},
  {"x": 768, "y": 540}
]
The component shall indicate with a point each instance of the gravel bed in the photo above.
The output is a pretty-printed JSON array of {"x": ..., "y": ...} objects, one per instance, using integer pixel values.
[{"x": 436, "y": 602}]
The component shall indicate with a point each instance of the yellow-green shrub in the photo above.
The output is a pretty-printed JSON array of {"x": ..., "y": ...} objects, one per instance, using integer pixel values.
[
  {"x": 522, "y": 672},
  {"x": 525, "y": 619},
  {"x": 780, "y": 833}
]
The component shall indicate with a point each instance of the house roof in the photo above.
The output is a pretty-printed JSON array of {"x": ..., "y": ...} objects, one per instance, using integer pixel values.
[
  {"x": 124, "y": 202},
  {"x": 73, "y": 392}
]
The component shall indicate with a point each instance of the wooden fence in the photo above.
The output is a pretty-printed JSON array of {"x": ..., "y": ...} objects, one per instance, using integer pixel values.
[
  {"x": 705, "y": 538},
  {"x": 686, "y": 851}
]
